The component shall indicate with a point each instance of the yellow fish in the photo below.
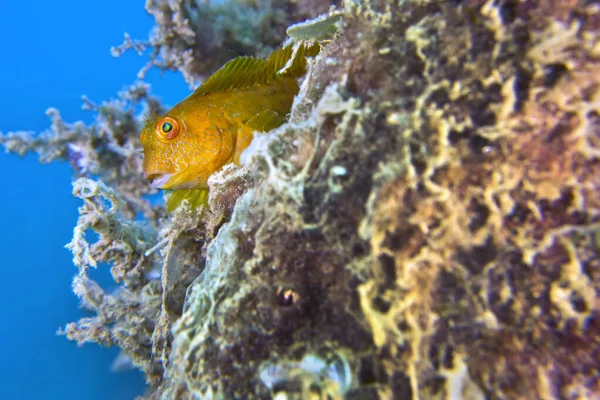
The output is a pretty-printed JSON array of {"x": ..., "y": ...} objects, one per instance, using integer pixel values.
[{"x": 213, "y": 126}]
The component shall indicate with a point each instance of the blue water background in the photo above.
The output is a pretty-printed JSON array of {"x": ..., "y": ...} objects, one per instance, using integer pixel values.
[{"x": 52, "y": 53}]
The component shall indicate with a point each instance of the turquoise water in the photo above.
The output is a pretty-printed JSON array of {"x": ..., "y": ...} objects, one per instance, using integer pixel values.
[{"x": 54, "y": 52}]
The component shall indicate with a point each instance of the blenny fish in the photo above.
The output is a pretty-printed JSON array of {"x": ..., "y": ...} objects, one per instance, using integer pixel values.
[{"x": 213, "y": 125}]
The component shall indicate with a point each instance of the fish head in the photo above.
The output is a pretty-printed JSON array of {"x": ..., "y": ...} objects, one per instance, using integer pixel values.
[{"x": 182, "y": 149}]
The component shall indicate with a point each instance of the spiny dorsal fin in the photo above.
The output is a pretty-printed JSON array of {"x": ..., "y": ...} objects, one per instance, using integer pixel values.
[
  {"x": 244, "y": 72},
  {"x": 295, "y": 67},
  {"x": 238, "y": 73}
]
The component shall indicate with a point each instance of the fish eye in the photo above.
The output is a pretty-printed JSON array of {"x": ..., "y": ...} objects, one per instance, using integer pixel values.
[{"x": 167, "y": 128}]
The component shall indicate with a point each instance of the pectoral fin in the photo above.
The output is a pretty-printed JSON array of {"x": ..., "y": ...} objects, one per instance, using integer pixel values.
[
  {"x": 265, "y": 121},
  {"x": 261, "y": 122},
  {"x": 196, "y": 198}
]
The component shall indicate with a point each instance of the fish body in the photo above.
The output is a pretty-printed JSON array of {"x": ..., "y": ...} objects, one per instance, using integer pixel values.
[{"x": 212, "y": 126}]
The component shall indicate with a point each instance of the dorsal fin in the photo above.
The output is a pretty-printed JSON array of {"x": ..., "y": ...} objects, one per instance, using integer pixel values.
[
  {"x": 244, "y": 72},
  {"x": 296, "y": 67}
]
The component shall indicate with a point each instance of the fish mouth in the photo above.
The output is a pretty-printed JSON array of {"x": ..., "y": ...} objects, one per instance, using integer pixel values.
[
  {"x": 173, "y": 181},
  {"x": 159, "y": 181}
]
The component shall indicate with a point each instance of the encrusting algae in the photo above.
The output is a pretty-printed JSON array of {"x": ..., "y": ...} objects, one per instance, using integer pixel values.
[{"x": 212, "y": 126}]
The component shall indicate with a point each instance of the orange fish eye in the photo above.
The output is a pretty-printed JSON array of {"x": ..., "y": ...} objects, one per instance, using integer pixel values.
[{"x": 167, "y": 128}]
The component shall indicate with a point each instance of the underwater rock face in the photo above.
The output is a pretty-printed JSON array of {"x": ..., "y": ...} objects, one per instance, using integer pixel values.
[
  {"x": 430, "y": 215},
  {"x": 426, "y": 225}
]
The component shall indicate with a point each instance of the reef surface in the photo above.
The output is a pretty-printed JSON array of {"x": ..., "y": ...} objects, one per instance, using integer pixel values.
[{"x": 425, "y": 226}]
